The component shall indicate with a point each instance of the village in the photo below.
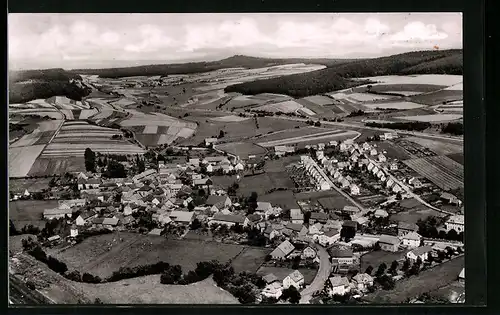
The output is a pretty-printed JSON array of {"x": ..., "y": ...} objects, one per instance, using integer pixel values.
[{"x": 174, "y": 196}]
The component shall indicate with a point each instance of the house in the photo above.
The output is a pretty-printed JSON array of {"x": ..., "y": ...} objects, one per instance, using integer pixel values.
[
  {"x": 93, "y": 183},
  {"x": 393, "y": 166},
  {"x": 182, "y": 217},
  {"x": 338, "y": 286},
  {"x": 296, "y": 216},
  {"x": 49, "y": 214},
  {"x": 54, "y": 239},
  {"x": 341, "y": 255},
  {"x": 85, "y": 217},
  {"x": 415, "y": 182},
  {"x": 396, "y": 188},
  {"x": 455, "y": 222},
  {"x": 380, "y": 213},
  {"x": 147, "y": 174},
  {"x": 461, "y": 276},
  {"x": 362, "y": 281},
  {"x": 354, "y": 189},
  {"x": 308, "y": 252},
  {"x": 253, "y": 219},
  {"x": 405, "y": 228},
  {"x": 163, "y": 218},
  {"x": 263, "y": 207},
  {"x": 373, "y": 152},
  {"x": 73, "y": 232},
  {"x": 283, "y": 250},
  {"x": 282, "y": 150},
  {"x": 220, "y": 202},
  {"x": 271, "y": 232},
  {"x": 239, "y": 167},
  {"x": 381, "y": 158},
  {"x": 389, "y": 243},
  {"x": 350, "y": 210},
  {"x": 320, "y": 217},
  {"x": 110, "y": 222},
  {"x": 329, "y": 237},
  {"x": 67, "y": 204},
  {"x": 420, "y": 252},
  {"x": 412, "y": 239},
  {"x": 315, "y": 229},
  {"x": 155, "y": 232},
  {"x": 450, "y": 199},
  {"x": 229, "y": 219},
  {"x": 210, "y": 141},
  {"x": 295, "y": 279},
  {"x": 350, "y": 225},
  {"x": 273, "y": 289}
]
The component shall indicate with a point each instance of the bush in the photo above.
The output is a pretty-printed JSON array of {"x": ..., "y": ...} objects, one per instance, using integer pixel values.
[
  {"x": 56, "y": 265},
  {"x": 88, "y": 278},
  {"x": 31, "y": 285}
]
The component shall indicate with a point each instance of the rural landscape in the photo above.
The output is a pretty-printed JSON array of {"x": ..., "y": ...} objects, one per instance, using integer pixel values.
[{"x": 240, "y": 180}]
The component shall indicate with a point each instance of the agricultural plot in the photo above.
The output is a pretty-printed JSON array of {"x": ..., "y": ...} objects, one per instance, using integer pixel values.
[
  {"x": 458, "y": 86},
  {"x": 435, "y": 118},
  {"x": 457, "y": 157},
  {"x": 375, "y": 258},
  {"x": 295, "y": 133},
  {"x": 421, "y": 79},
  {"x": 21, "y": 159},
  {"x": 301, "y": 141},
  {"x": 241, "y": 149},
  {"x": 319, "y": 110},
  {"x": 25, "y": 212},
  {"x": 57, "y": 165},
  {"x": 438, "y": 97},
  {"x": 368, "y": 97},
  {"x": 284, "y": 107},
  {"x": 280, "y": 198},
  {"x": 392, "y": 150},
  {"x": 319, "y": 100},
  {"x": 250, "y": 259},
  {"x": 149, "y": 290},
  {"x": 31, "y": 184},
  {"x": 230, "y": 118},
  {"x": 441, "y": 170},
  {"x": 438, "y": 147},
  {"x": 46, "y": 112},
  {"x": 264, "y": 182},
  {"x": 394, "y": 105},
  {"x": 102, "y": 255},
  {"x": 413, "y": 214}
]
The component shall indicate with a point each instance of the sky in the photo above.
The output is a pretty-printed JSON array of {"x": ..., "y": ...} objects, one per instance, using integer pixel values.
[{"x": 69, "y": 41}]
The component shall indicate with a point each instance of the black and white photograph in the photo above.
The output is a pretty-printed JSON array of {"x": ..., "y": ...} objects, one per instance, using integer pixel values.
[{"x": 236, "y": 158}]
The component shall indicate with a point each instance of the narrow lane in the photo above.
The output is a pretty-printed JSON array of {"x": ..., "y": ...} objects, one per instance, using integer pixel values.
[{"x": 322, "y": 275}]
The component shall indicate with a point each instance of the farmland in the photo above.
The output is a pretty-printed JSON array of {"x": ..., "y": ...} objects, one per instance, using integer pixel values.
[
  {"x": 393, "y": 150},
  {"x": 250, "y": 259},
  {"x": 102, "y": 255},
  {"x": 438, "y": 147},
  {"x": 394, "y": 105},
  {"x": 337, "y": 135},
  {"x": 24, "y": 212},
  {"x": 21, "y": 159},
  {"x": 438, "y": 97},
  {"x": 426, "y": 281},
  {"x": 57, "y": 165},
  {"x": 31, "y": 184},
  {"x": 432, "y": 118},
  {"x": 285, "y": 107},
  {"x": 242, "y": 149},
  {"x": 441, "y": 170}
]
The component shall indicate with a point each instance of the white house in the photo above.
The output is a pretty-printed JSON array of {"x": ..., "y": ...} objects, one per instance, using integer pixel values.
[
  {"x": 73, "y": 231},
  {"x": 273, "y": 290},
  {"x": 456, "y": 223},
  {"x": 308, "y": 252},
  {"x": 354, "y": 189},
  {"x": 296, "y": 216},
  {"x": 362, "y": 281},
  {"x": 284, "y": 249},
  {"x": 373, "y": 152},
  {"x": 295, "y": 279},
  {"x": 412, "y": 240},
  {"x": 380, "y": 213},
  {"x": 382, "y": 158},
  {"x": 229, "y": 219},
  {"x": 393, "y": 167},
  {"x": 422, "y": 252},
  {"x": 338, "y": 286},
  {"x": 329, "y": 237}
]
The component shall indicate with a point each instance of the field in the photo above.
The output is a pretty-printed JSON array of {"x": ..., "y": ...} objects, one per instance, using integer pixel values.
[
  {"x": 281, "y": 273},
  {"x": 284, "y": 199},
  {"x": 432, "y": 118},
  {"x": 438, "y": 97},
  {"x": 264, "y": 182},
  {"x": 230, "y": 118},
  {"x": 375, "y": 258},
  {"x": 24, "y": 212},
  {"x": 21, "y": 159},
  {"x": 250, "y": 259},
  {"x": 368, "y": 97},
  {"x": 442, "y": 80},
  {"x": 438, "y": 147},
  {"x": 320, "y": 100},
  {"x": 449, "y": 291},
  {"x": 303, "y": 136},
  {"x": 441, "y": 170},
  {"x": 392, "y": 150},
  {"x": 32, "y": 184},
  {"x": 413, "y": 214},
  {"x": 330, "y": 198},
  {"x": 394, "y": 105},
  {"x": 57, "y": 165},
  {"x": 102, "y": 255},
  {"x": 285, "y": 107},
  {"x": 426, "y": 281},
  {"x": 241, "y": 149},
  {"x": 149, "y": 290},
  {"x": 457, "y": 157}
]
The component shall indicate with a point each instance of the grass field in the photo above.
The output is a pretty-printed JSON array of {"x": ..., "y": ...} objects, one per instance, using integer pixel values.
[
  {"x": 149, "y": 290},
  {"x": 438, "y": 147},
  {"x": 102, "y": 255},
  {"x": 375, "y": 258},
  {"x": 57, "y": 165},
  {"x": 264, "y": 182},
  {"x": 25, "y": 212},
  {"x": 394, "y": 105},
  {"x": 424, "y": 80},
  {"x": 32, "y": 184},
  {"x": 250, "y": 259},
  {"x": 21, "y": 159},
  {"x": 284, "y": 199},
  {"x": 457, "y": 157},
  {"x": 438, "y": 97},
  {"x": 319, "y": 100},
  {"x": 426, "y": 281},
  {"x": 393, "y": 150},
  {"x": 281, "y": 273},
  {"x": 414, "y": 213},
  {"x": 432, "y": 118},
  {"x": 310, "y": 139}
]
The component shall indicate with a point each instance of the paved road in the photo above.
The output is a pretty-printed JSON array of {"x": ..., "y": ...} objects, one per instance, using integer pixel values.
[{"x": 318, "y": 283}]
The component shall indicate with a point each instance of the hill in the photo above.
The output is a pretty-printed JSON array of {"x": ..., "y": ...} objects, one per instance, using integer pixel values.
[
  {"x": 25, "y": 86},
  {"x": 337, "y": 76},
  {"x": 199, "y": 67}
]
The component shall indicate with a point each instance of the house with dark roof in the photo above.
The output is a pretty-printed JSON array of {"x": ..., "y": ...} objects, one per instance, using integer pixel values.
[
  {"x": 405, "y": 228},
  {"x": 329, "y": 237},
  {"x": 85, "y": 217},
  {"x": 253, "y": 219},
  {"x": 295, "y": 279},
  {"x": 422, "y": 252},
  {"x": 341, "y": 255},
  {"x": 283, "y": 250},
  {"x": 338, "y": 286},
  {"x": 320, "y": 217}
]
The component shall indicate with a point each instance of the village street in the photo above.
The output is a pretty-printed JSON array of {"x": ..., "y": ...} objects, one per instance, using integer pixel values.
[{"x": 319, "y": 281}]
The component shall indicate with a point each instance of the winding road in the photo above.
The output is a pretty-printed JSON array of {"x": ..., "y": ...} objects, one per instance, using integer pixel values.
[{"x": 322, "y": 275}]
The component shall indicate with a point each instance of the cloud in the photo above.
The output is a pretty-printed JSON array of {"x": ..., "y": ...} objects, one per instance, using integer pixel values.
[{"x": 174, "y": 37}]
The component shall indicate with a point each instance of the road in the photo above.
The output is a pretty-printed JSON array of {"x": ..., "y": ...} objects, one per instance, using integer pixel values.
[
  {"x": 318, "y": 283},
  {"x": 19, "y": 293}
]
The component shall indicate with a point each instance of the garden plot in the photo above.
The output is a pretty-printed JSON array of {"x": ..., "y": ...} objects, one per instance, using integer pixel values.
[
  {"x": 438, "y": 147},
  {"x": 21, "y": 159},
  {"x": 432, "y": 118},
  {"x": 394, "y": 105},
  {"x": 123, "y": 102},
  {"x": 458, "y": 86},
  {"x": 87, "y": 113},
  {"x": 41, "y": 135},
  {"x": 150, "y": 129},
  {"x": 41, "y": 103}
]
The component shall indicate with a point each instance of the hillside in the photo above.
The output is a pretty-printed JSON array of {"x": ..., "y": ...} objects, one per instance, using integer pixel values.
[
  {"x": 25, "y": 86},
  {"x": 336, "y": 77},
  {"x": 199, "y": 67}
]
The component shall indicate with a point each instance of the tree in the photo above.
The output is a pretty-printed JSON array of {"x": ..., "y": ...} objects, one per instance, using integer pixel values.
[
  {"x": 141, "y": 167},
  {"x": 89, "y": 156},
  {"x": 221, "y": 134},
  {"x": 441, "y": 255},
  {"x": 12, "y": 229},
  {"x": 399, "y": 196},
  {"x": 115, "y": 170},
  {"x": 452, "y": 235},
  {"x": 98, "y": 301},
  {"x": 252, "y": 202},
  {"x": 406, "y": 265},
  {"x": 268, "y": 257},
  {"x": 387, "y": 282},
  {"x": 196, "y": 224},
  {"x": 307, "y": 217},
  {"x": 296, "y": 262},
  {"x": 419, "y": 261},
  {"x": 291, "y": 294},
  {"x": 394, "y": 266},
  {"x": 369, "y": 270},
  {"x": 442, "y": 234},
  {"x": 381, "y": 269},
  {"x": 190, "y": 206}
]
